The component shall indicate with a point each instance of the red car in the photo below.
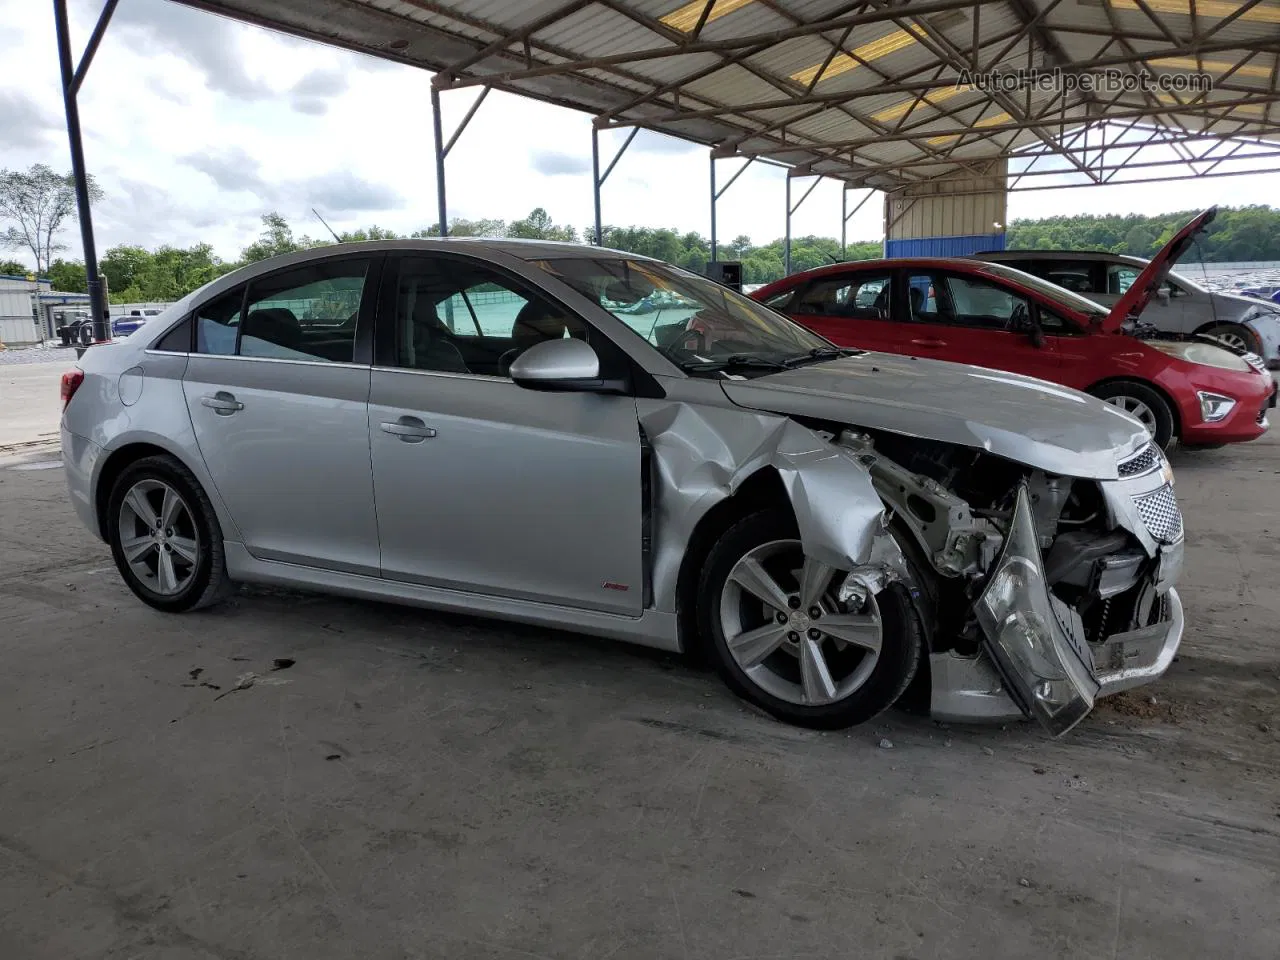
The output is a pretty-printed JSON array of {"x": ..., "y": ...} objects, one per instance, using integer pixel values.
[{"x": 990, "y": 315}]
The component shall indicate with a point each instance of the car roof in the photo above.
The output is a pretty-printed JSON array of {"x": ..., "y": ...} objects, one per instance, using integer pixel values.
[
  {"x": 1060, "y": 255},
  {"x": 883, "y": 263}
]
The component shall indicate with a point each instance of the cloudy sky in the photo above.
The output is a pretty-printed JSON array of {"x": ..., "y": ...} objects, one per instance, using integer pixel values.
[{"x": 196, "y": 126}]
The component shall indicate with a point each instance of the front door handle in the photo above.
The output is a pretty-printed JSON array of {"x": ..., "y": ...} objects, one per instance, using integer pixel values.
[
  {"x": 928, "y": 343},
  {"x": 222, "y": 403},
  {"x": 409, "y": 429}
]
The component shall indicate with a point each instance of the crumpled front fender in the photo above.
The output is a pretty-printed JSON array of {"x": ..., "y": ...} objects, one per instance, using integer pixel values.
[{"x": 702, "y": 455}]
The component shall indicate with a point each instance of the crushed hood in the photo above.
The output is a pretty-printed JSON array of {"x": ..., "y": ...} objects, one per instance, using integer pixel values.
[
  {"x": 1139, "y": 295},
  {"x": 1020, "y": 418}
]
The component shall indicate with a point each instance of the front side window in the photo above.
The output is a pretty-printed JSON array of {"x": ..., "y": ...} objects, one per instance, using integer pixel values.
[
  {"x": 460, "y": 317},
  {"x": 1120, "y": 278},
  {"x": 857, "y": 297},
  {"x": 308, "y": 313},
  {"x": 966, "y": 302},
  {"x": 699, "y": 325}
]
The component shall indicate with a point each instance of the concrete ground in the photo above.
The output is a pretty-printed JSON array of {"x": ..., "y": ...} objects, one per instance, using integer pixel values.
[
  {"x": 30, "y": 405},
  {"x": 417, "y": 785}
]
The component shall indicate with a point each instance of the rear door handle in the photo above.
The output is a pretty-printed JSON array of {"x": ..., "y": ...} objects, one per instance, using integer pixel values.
[
  {"x": 222, "y": 403},
  {"x": 928, "y": 343},
  {"x": 408, "y": 429}
]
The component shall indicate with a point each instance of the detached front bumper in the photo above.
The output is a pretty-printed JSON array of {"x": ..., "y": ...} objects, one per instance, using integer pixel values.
[
  {"x": 1035, "y": 660},
  {"x": 969, "y": 690}
]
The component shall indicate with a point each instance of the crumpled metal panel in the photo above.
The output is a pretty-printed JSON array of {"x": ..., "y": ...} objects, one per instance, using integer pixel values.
[{"x": 704, "y": 454}]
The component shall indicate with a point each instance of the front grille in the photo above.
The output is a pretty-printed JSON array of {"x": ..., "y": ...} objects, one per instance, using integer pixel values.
[
  {"x": 1159, "y": 511},
  {"x": 1144, "y": 460}
]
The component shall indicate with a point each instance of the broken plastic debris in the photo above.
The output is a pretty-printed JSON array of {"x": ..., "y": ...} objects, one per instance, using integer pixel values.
[{"x": 886, "y": 743}]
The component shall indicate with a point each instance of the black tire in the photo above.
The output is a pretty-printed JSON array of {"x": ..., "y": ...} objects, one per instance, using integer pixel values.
[
  {"x": 208, "y": 583},
  {"x": 901, "y": 645},
  {"x": 1163, "y": 432},
  {"x": 1236, "y": 332}
]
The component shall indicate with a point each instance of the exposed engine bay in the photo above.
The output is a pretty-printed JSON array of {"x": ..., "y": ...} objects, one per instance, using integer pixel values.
[{"x": 958, "y": 504}]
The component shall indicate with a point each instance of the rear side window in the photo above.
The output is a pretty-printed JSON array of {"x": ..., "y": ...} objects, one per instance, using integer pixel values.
[
  {"x": 217, "y": 323},
  {"x": 177, "y": 340},
  {"x": 308, "y": 313}
]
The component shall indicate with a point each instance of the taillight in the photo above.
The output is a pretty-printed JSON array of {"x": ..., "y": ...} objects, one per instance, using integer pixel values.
[{"x": 71, "y": 381}]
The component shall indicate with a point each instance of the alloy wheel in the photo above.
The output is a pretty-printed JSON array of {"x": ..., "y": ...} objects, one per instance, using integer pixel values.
[
  {"x": 1236, "y": 341},
  {"x": 158, "y": 537},
  {"x": 788, "y": 633},
  {"x": 1136, "y": 408}
]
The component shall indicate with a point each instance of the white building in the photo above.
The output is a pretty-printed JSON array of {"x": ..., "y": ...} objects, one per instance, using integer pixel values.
[{"x": 19, "y": 314}]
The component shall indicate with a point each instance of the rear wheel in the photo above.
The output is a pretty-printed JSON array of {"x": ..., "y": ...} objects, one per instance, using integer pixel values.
[
  {"x": 1235, "y": 336},
  {"x": 164, "y": 536},
  {"x": 781, "y": 639},
  {"x": 1144, "y": 404}
]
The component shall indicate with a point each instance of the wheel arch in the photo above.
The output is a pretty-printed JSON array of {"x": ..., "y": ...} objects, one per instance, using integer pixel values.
[
  {"x": 762, "y": 490},
  {"x": 118, "y": 459},
  {"x": 1210, "y": 324},
  {"x": 1160, "y": 391}
]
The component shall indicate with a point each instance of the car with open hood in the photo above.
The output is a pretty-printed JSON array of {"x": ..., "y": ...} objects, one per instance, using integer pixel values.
[
  {"x": 990, "y": 314},
  {"x": 1182, "y": 309},
  {"x": 489, "y": 427}
]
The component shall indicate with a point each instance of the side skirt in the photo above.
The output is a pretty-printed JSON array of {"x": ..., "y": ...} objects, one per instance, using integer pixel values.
[{"x": 651, "y": 629}]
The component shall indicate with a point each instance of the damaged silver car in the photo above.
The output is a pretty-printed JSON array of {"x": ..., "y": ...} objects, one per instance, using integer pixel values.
[{"x": 494, "y": 427}]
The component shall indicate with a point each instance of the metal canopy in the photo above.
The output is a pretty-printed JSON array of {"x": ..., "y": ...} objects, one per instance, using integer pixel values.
[{"x": 868, "y": 93}]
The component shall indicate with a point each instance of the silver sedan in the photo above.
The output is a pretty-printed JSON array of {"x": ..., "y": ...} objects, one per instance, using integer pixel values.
[{"x": 590, "y": 440}]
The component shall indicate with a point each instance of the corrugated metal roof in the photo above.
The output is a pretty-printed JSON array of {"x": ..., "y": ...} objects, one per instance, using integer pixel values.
[{"x": 829, "y": 83}]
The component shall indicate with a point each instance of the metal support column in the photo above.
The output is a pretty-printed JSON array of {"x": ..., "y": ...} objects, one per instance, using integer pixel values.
[
  {"x": 786, "y": 249},
  {"x": 714, "y": 255},
  {"x": 443, "y": 148},
  {"x": 72, "y": 78},
  {"x": 717, "y": 194},
  {"x": 846, "y": 215},
  {"x": 598, "y": 178}
]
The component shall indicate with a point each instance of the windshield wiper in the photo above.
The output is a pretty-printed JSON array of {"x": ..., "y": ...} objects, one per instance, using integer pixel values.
[
  {"x": 738, "y": 360},
  {"x": 818, "y": 354}
]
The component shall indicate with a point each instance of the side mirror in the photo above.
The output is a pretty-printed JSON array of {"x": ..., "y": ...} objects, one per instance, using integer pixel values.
[
  {"x": 562, "y": 365},
  {"x": 1036, "y": 335},
  {"x": 1163, "y": 296}
]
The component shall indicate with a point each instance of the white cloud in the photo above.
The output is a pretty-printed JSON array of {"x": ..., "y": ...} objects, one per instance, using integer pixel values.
[{"x": 195, "y": 126}]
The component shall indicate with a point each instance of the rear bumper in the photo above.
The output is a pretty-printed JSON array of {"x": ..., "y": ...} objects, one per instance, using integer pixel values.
[
  {"x": 79, "y": 461},
  {"x": 969, "y": 690}
]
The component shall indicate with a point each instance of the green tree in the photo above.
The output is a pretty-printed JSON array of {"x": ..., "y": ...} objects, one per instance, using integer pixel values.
[
  {"x": 276, "y": 238},
  {"x": 122, "y": 265},
  {"x": 68, "y": 276},
  {"x": 465, "y": 228},
  {"x": 13, "y": 268},
  {"x": 539, "y": 226},
  {"x": 374, "y": 232},
  {"x": 37, "y": 202}
]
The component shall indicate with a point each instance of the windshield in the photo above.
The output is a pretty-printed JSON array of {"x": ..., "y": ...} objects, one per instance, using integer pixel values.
[
  {"x": 1050, "y": 291},
  {"x": 699, "y": 325}
]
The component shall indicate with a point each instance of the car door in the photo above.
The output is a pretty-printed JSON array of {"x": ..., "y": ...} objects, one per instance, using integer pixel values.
[
  {"x": 278, "y": 391},
  {"x": 483, "y": 485},
  {"x": 851, "y": 309},
  {"x": 967, "y": 318}
]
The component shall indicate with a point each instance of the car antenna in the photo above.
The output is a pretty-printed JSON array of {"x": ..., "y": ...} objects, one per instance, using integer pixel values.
[{"x": 336, "y": 238}]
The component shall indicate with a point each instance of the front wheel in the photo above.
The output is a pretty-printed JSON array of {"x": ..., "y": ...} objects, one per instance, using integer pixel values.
[
  {"x": 1235, "y": 336},
  {"x": 165, "y": 537},
  {"x": 1144, "y": 404},
  {"x": 782, "y": 639}
]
